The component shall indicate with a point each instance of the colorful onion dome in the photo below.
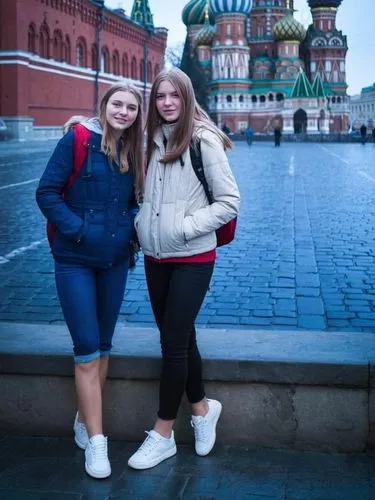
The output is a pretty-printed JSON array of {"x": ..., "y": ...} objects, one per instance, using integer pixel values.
[
  {"x": 194, "y": 12},
  {"x": 206, "y": 34},
  {"x": 231, "y": 6},
  {"x": 324, "y": 3},
  {"x": 288, "y": 29}
]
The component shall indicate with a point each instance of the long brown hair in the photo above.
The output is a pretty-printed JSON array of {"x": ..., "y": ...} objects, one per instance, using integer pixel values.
[
  {"x": 191, "y": 116},
  {"x": 131, "y": 139}
]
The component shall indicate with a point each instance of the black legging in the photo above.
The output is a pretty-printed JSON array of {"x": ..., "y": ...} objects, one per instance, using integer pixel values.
[{"x": 176, "y": 293}]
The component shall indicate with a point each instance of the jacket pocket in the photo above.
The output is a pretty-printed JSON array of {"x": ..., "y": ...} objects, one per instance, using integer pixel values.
[
  {"x": 93, "y": 232},
  {"x": 142, "y": 224}
]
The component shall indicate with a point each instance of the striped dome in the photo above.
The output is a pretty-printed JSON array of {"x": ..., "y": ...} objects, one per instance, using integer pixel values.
[
  {"x": 231, "y": 6},
  {"x": 194, "y": 12}
]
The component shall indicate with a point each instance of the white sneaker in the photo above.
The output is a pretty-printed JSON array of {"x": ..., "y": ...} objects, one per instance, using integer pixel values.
[
  {"x": 205, "y": 428},
  {"x": 97, "y": 464},
  {"x": 154, "y": 449},
  {"x": 81, "y": 437}
]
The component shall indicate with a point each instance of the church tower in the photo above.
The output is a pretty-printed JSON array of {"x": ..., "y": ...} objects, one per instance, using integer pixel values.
[
  {"x": 203, "y": 40},
  {"x": 263, "y": 17},
  {"x": 327, "y": 46},
  {"x": 289, "y": 34},
  {"x": 230, "y": 64},
  {"x": 141, "y": 13}
]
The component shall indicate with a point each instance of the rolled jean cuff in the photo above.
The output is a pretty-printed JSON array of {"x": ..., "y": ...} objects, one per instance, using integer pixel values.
[{"x": 86, "y": 358}]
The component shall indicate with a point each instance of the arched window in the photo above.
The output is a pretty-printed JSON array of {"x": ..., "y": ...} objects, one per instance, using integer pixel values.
[
  {"x": 31, "y": 39},
  {"x": 125, "y": 66},
  {"x": 58, "y": 46},
  {"x": 81, "y": 58},
  {"x": 254, "y": 99},
  {"x": 157, "y": 70},
  {"x": 229, "y": 98},
  {"x": 133, "y": 69},
  {"x": 240, "y": 98},
  {"x": 67, "y": 50},
  {"x": 149, "y": 72},
  {"x": 105, "y": 61},
  {"x": 94, "y": 58},
  {"x": 142, "y": 70},
  {"x": 279, "y": 97},
  {"x": 115, "y": 63},
  {"x": 262, "y": 98},
  {"x": 270, "y": 97},
  {"x": 44, "y": 41}
]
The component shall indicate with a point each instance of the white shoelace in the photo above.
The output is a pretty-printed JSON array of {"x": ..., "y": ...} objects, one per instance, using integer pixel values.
[
  {"x": 99, "y": 450},
  {"x": 148, "y": 444},
  {"x": 200, "y": 429},
  {"x": 81, "y": 427}
]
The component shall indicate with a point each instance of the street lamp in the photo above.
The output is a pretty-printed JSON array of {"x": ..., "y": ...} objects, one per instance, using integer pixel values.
[
  {"x": 98, "y": 28},
  {"x": 149, "y": 28},
  {"x": 145, "y": 65}
]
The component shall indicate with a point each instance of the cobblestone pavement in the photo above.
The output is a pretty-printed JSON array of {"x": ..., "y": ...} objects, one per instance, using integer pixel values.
[
  {"x": 52, "y": 469},
  {"x": 303, "y": 257}
]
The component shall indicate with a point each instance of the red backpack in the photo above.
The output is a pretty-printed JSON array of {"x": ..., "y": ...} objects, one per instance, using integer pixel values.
[
  {"x": 81, "y": 138},
  {"x": 225, "y": 234}
]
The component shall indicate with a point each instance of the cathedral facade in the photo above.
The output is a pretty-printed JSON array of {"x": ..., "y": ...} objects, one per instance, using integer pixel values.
[{"x": 264, "y": 68}]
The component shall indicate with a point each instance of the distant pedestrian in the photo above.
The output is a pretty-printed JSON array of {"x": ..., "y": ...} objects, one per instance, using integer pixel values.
[
  {"x": 363, "y": 132},
  {"x": 93, "y": 221},
  {"x": 373, "y": 135},
  {"x": 225, "y": 129},
  {"x": 249, "y": 134},
  {"x": 277, "y": 135},
  {"x": 176, "y": 229}
]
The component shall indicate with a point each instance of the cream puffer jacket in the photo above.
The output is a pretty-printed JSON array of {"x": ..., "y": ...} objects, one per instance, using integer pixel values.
[{"x": 175, "y": 219}]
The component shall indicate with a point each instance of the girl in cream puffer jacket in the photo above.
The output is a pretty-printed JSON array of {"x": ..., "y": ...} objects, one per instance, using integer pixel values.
[
  {"x": 176, "y": 219},
  {"x": 176, "y": 229}
]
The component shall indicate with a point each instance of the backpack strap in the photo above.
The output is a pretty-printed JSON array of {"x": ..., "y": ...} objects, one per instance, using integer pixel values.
[
  {"x": 81, "y": 138},
  {"x": 196, "y": 161}
]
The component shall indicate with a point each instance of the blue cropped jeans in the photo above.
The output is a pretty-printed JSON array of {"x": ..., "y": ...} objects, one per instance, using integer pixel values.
[{"x": 90, "y": 299}]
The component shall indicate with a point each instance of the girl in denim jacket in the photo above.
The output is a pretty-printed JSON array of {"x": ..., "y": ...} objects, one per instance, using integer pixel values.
[{"x": 93, "y": 228}]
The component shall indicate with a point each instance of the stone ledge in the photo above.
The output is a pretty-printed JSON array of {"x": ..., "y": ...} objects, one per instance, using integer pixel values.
[
  {"x": 281, "y": 357},
  {"x": 286, "y": 389}
]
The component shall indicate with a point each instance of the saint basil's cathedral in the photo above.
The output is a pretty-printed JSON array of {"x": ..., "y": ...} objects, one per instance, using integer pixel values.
[{"x": 264, "y": 68}]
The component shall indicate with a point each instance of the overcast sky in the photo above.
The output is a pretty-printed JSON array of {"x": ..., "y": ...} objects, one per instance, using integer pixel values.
[{"x": 356, "y": 18}]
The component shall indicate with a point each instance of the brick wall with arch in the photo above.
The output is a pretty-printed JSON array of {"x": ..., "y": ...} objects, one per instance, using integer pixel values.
[{"x": 49, "y": 58}]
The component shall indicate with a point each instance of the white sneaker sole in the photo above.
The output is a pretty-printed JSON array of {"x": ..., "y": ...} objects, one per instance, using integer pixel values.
[
  {"x": 212, "y": 444},
  {"x": 97, "y": 475},
  {"x": 153, "y": 463}
]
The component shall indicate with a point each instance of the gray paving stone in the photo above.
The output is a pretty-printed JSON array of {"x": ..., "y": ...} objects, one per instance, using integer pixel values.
[
  {"x": 294, "y": 240},
  {"x": 229, "y": 472}
]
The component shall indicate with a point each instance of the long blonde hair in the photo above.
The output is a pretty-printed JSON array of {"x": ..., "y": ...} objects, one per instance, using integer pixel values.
[
  {"x": 191, "y": 116},
  {"x": 131, "y": 140}
]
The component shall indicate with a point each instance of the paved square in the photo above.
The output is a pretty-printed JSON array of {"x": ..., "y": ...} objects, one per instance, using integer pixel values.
[{"x": 303, "y": 257}]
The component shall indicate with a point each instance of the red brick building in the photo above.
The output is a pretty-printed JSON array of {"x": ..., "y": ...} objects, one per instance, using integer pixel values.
[{"x": 50, "y": 67}]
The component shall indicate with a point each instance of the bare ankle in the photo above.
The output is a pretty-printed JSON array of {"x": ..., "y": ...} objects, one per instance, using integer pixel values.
[
  {"x": 200, "y": 409},
  {"x": 164, "y": 427}
]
